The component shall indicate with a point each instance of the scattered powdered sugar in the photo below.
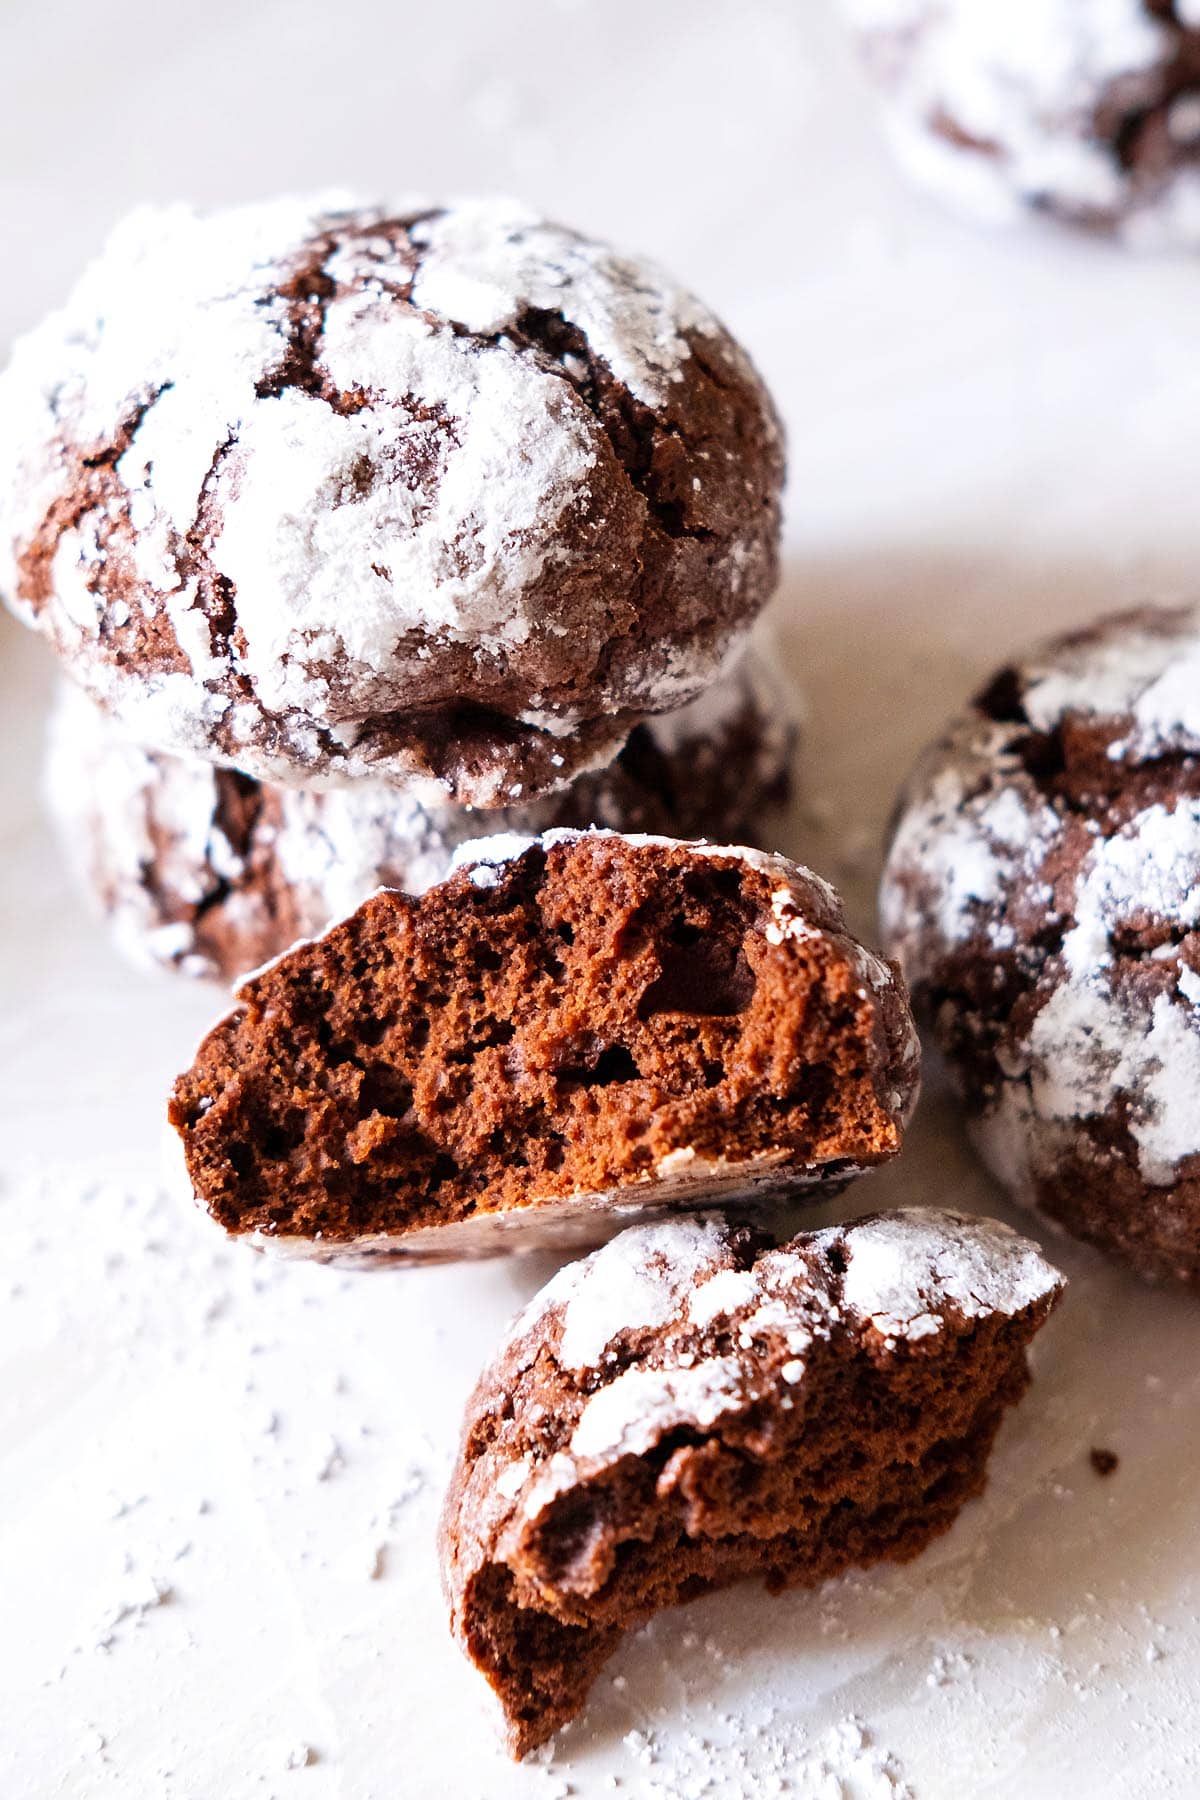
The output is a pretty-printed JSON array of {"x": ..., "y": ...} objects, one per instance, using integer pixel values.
[
  {"x": 761, "y": 1751},
  {"x": 845, "y": 1763},
  {"x": 140, "y": 1596}
]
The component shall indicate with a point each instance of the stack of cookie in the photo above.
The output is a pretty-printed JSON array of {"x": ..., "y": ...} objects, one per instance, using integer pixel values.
[
  {"x": 356, "y": 530},
  {"x": 361, "y": 533}
]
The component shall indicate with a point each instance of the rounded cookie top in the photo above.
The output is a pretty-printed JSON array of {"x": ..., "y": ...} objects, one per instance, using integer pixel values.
[
  {"x": 450, "y": 493},
  {"x": 673, "y": 1327},
  {"x": 1088, "y": 112},
  {"x": 1042, "y": 894}
]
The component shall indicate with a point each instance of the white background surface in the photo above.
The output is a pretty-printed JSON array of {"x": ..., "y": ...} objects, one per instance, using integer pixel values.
[{"x": 219, "y": 1477}]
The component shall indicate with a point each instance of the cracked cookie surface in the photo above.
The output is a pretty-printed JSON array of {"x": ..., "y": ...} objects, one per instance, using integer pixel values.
[
  {"x": 1090, "y": 113},
  {"x": 449, "y": 494},
  {"x": 1042, "y": 894},
  {"x": 689, "y": 1407}
]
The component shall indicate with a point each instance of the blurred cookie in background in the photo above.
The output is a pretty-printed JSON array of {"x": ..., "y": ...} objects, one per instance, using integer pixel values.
[{"x": 1089, "y": 113}]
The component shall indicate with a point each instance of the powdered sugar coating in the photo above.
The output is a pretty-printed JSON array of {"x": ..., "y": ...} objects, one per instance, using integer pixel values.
[
  {"x": 903, "y": 1270},
  {"x": 642, "y": 1405},
  {"x": 968, "y": 832},
  {"x": 1042, "y": 894},
  {"x": 637, "y": 1280},
  {"x": 638, "y": 1324},
  {"x": 1146, "y": 673},
  {"x": 1085, "y": 111},
  {"x": 211, "y": 873},
  {"x": 1084, "y": 1056},
  {"x": 572, "y": 1480},
  {"x": 297, "y": 487}
]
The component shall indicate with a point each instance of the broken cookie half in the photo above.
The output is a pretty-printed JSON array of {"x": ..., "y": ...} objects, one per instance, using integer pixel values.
[
  {"x": 687, "y": 1407},
  {"x": 569, "y": 1032}
]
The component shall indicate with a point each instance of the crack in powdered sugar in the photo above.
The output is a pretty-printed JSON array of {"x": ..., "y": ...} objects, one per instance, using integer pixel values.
[
  {"x": 901, "y": 1273},
  {"x": 1102, "y": 943},
  {"x": 1092, "y": 1043},
  {"x": 330, "y": 450}
]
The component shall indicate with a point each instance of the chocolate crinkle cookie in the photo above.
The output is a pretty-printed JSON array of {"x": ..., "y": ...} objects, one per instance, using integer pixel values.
[
  {"x": 448, "y": 494},
  {"x": 1042, "y": 894},
  {"x": 569, "y": 1031},
  {"x": 689, "y": 1407},
  {"x": 1087, "y": 111},
  {"x": 210, "y": 872}
]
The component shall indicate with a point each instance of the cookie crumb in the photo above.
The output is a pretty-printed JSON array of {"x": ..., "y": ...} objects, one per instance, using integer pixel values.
[
  {"x": 1103, "y": 1461},
  {"x": 417, "y": 1151}
]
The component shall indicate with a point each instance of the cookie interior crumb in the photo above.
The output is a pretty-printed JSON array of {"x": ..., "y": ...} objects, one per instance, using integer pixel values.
[{"x": 596, "y": 1013}]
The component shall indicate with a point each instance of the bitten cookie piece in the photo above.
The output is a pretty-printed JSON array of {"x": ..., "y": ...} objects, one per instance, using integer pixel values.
[
  {"x": 686, "y": 1408},
  {"x": 210, "y": 872},
  {"x": 1087, "y": 112},
  {"x": 450, "y": 494},
  {"x": 1042, "y": 893},
  {"x": 579, "y": 1028}
]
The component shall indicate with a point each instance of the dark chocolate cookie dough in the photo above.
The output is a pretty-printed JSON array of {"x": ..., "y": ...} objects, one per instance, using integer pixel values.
[{"x": 569, "y": 1031}]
